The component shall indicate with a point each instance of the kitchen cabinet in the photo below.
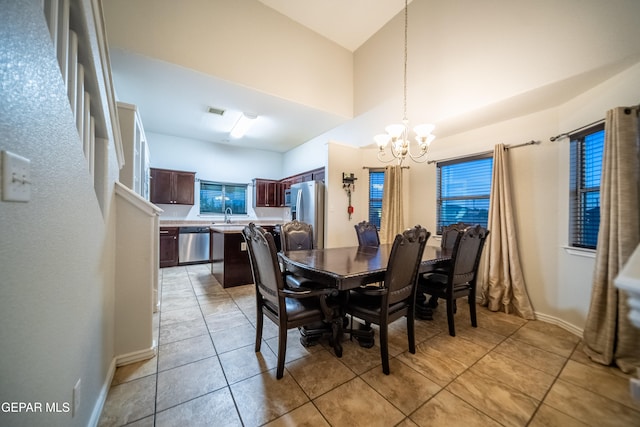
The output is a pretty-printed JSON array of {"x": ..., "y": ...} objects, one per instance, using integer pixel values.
[
  {"x": 172, "y": 187},
  {"x": 267, "y": 193},
  {"x": 230, "y": 259},
  {"x": 317, "y": 174},
  {"x": 168, "y": 246},
  {"x": 135, "y": 173},
  {"x": 271, "y": 193}
]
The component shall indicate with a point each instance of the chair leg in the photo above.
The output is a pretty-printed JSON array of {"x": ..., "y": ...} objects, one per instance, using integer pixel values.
[
  {"x": 282, "y": 350},
  {"x": 450, "y": 313},
  {"x": 433, "y": 302},
  {"x": 411, "y": 332},
  {"x": 384, "y": 348},
  {"x": 472, "y": 310},
  {"x": 259, "y": 321}
]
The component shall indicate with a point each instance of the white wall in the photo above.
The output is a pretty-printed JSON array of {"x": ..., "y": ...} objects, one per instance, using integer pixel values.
[
  {"x": 215, "y": 162},
  {"x": 57, "y": 250}
]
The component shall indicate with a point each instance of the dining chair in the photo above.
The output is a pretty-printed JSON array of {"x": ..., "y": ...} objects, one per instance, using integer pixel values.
[
  {"x": 296, "y": 235},
  {"x": 449, "y": 234},
  {"x": 460, "y": 280},
  {"x": 396, "y": 297},
  {"x": 287, "y": 307},
  {"x": 367, "y": 234}
]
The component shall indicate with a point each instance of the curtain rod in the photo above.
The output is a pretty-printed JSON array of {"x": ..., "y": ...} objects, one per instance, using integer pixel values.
[
  {"x": 566, "y": 134},
  {"x": 627, "y": 110},
  {"x": 381, "y": 167},
  {"x": 506, "y": 147}
]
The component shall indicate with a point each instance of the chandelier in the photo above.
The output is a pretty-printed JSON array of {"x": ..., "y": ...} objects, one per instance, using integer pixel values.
[{"x": 398, "y": 134}]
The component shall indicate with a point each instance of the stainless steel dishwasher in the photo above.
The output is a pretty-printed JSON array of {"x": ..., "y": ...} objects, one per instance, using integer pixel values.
[{"x": 193, "y": 245}]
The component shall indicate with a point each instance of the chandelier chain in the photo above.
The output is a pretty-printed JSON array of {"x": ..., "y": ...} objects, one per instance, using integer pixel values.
[
  {"x": 398, "y": 134},
  {"x": 406, "y": 21}
]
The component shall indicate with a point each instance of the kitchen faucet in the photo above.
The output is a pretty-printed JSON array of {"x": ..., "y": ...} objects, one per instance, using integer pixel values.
[{"x": 227, "y": 213}]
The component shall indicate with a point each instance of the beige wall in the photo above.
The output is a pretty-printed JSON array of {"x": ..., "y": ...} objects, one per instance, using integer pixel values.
[
  {"x": 466, "y": 55},
  {"x": 558, "y": 279},
  {"x": 235, "y": 40}
]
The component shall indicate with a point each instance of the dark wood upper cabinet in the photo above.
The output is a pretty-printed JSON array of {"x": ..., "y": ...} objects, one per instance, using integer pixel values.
[
  {"x": 172, "y": 187},
  {"x": 270, "y": 193},
  {"x": 318, "y": 175},
  {"x": 266, "y": 193}
]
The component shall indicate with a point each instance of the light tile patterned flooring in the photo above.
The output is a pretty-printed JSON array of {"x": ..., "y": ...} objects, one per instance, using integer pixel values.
[{"x": 508, "y": 372}]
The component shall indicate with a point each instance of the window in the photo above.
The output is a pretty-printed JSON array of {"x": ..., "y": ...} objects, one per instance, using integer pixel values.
[
  {"x": 376, "y": 187},
  {"x": 463, "y": 191},
  {"x": 216, "y": 197},
  {"x": 586, "y": 166}
]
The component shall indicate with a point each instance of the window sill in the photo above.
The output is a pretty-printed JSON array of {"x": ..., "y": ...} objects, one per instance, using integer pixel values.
[{"x": 587, "y": 253}]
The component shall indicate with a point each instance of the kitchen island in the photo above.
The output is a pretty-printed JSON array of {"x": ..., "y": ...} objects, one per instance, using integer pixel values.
[{"x": 230, "y": 259}]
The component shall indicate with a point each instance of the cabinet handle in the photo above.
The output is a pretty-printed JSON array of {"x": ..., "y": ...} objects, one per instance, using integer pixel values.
[{"x": 164, "y": 232}]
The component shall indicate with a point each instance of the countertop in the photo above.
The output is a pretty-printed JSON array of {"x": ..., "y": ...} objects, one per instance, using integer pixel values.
[
  {"x": 227, "y": 228},
  {"x": 219, "y": 227}
]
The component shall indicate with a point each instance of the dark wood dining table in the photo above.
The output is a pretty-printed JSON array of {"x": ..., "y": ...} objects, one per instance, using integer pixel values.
[{"x": 348, "y": 268}]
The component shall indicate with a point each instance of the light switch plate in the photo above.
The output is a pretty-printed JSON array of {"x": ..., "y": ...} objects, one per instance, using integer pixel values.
[{"x": 16, "y": 178}]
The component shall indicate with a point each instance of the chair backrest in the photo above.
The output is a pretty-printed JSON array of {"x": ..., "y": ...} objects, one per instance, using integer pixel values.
[
  {"x": 466, "y": 254},
  {"x": 450, "y": 234},
  {"x": 367, "y": 234},
  {"x": 404, "y": 260},
  {"x": 296, "y": 236},
  {"x": 264, "y": 262}
]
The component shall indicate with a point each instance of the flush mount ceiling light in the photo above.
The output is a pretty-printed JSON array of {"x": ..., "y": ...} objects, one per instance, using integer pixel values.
[
  {"x": 398, "y": 134},
  {"x": 242, "y": 125}
]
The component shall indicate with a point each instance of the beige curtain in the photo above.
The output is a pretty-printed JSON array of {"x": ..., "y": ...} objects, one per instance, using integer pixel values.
[
  {"x": 392, "y": 221},
  {"x": 503, "y": 286},
  {"x": 609, "y": 335}
]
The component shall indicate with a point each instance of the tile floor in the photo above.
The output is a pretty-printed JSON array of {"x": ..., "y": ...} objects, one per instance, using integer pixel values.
[{"x": 506, "y": 372}]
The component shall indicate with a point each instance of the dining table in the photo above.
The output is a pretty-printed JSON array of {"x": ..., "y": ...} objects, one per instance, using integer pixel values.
[
  {"x": 349, "y": 267},
  {"x": 345, "y": 268}
]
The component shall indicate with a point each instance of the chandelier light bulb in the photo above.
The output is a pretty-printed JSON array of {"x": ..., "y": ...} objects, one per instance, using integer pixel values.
[
  {"x": 424, "y": 130},
  {"x": 395, "y": 131},
  {"x": 382, "y": 140}
]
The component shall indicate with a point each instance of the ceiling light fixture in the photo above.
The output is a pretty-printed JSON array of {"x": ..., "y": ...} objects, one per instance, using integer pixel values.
[
  {"x": 398, "y": 134},
  {"x": 243, "y": 124}
]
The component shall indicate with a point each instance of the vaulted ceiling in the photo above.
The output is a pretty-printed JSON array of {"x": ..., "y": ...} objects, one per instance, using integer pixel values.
[{"x": 539, "y": 67}]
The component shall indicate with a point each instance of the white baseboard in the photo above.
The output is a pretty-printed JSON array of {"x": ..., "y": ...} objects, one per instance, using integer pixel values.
[
  {"x": 102, "y": 397},
  {"x": 563, "y": 324},
  {"x": 553, "y": 320},
  {"x": 136, "y": 356},
  {"x": 121, "y": 360}
]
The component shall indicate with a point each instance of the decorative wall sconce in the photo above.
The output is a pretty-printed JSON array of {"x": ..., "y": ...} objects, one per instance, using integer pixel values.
[{"x": 349, "y": 185}]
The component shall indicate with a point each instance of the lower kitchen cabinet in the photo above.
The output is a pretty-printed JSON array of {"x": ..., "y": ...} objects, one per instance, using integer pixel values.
[
  {"x": 230, "y": 259},
  {"x": 168, "y": 246}
]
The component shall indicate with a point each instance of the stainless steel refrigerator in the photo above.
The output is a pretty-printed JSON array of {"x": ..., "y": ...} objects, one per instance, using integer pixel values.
[{"x": 307, "y": 205}]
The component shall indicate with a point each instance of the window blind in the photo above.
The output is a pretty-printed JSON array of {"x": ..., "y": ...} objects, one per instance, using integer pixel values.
[
  {"x": 463, "y": 191},
  {"x": 216, "y": 197},
  {"x": 587, "y": 150},
  {"x": 376, "y": 188}
]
